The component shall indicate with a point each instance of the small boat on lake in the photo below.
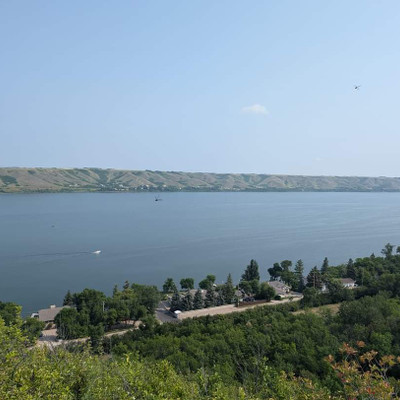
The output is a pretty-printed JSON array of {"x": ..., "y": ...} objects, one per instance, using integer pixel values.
[{"x": 96, "y": 252}]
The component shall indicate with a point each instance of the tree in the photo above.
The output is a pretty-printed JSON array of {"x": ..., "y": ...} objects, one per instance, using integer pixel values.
[
  {"x": 387, "y": 251},
  {"x": 169, "y": 286},
  {"x": 68, "y": 326},
  {"x": 198, "y": 300},
  {"x": 245, "y": 286},
  {"x": 68, "y": 299},
  {"x": 205, "y": 284},
  {"x": 10, "y": 313},
  {"x": 228, "y": 290},
  {"x": 126, "y": 285},
  {"x": 187, "y": 302},
  {"x": 187, "y": 283},
  {"x": 325, "y": 265},
  {"x": 210, "y": 300},
  {"x": 266, "y": 292},
  {"x": 96, "y": 333},
  {"x": 176, "y": 302},
  {"x": 251, "y": 272},
  {"x": 351, "y": 270},
  {"x": 32, "y": 328},
  {"x": 275, "y": 272},
  {"x": 211, "y": 278},
  {"x": 314, "y": 278},
  {"x": 299, "y": 273}
]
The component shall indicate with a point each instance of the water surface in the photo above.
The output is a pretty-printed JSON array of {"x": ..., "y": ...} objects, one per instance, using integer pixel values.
[{"x": 47, "y": 240}]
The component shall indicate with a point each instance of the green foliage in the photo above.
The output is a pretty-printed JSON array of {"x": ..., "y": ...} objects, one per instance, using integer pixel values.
[
  {"x": 266, "y": 292},
  {"x": 32, "y": 329},
  {"x": 91, "y": 308},
  {"x": 314, "y": 279},
  {"x": 187, "y": 283},
  {"x": 169, "y": 286},
  {"x": 10, "y": 313},
  {"x": 251, "y": 272}
]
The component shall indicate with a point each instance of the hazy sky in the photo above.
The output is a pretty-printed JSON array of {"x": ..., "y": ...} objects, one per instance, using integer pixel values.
[{"x": 202, "y": 85}]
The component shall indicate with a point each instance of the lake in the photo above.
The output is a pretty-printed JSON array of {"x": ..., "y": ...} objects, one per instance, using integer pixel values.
[{"x": 47, "y": 240}]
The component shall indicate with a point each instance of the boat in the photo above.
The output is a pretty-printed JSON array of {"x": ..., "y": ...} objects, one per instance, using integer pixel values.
[{"x": 96, "y": 252}]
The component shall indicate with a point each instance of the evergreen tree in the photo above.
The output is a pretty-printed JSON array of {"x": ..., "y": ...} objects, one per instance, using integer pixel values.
[
  {"x": 325, "y": 265},
  {"x": 351, "y": 270},
  {"x": 176, "y": 303},
  {"x": 228, "y": 290},
  {"x": 251, "y": 272},
  {"x": 126, "y": 285},
  {"x": 210, "y": 298},
  {"x": 314, "y": 278},
  {"x": 115, "y": 290},
  {"x": 68, "y": 299},
  {"x": 299, "y": 272},
  {"x": 169, "y": 286},
  {"x": 198, "y": 302},
  {"x": 187, "y": 302}
]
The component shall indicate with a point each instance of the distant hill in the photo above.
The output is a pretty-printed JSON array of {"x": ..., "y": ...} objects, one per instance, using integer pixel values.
[{"x": 96, "y": 179}]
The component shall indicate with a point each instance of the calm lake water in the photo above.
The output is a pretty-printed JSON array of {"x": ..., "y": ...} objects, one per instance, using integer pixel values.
[{"x": 47, "y": 240}]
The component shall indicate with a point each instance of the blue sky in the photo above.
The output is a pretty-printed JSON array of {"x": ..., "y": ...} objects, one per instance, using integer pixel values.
[{"x": 210, "y": 85}]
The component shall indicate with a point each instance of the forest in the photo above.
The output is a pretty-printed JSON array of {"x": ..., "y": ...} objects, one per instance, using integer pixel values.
[{"x": 289, "y": 351}]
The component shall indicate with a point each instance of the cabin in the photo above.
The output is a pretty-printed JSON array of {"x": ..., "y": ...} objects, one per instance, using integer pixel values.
[
  {"x": 48, "y": 314},
  {"x": 280, "y": 288}
]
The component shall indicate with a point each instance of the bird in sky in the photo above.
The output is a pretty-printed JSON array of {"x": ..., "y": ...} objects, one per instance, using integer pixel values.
[{"x": 356, "y": 87}]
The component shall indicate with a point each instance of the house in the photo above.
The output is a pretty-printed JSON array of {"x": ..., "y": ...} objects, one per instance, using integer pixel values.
[
  {"x": 280, "y": 288},
  {"x": 48, "y": 314},
  {"x": 348, "y": 283}
]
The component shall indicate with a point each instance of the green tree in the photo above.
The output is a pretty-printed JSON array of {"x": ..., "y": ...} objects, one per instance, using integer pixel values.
[
  {"x": 251, "y": 272},
  {"x": 32, "y": 329},
  {"x": 210, "y": 300},
  {"x": 314, "y": 278},
  {"x": 325, "y": 266},
  {"x": 266, "y": 292},
  {"x": 96, "y": 333},
  {"x": 169, "y": 286},
  {"x": 228, "y": 290},
  {"x": 187, "y": 302},
  {"x": 275, "y": 272},
  {"x": 198, "y": 300},
  {"x": 387, "y": 251},
  {"x": 187, "y": 283},
  {"x": 68, "y": 299},
  {"x": 176, "y": 302},
  {"x": 299, "y": 273},
  {"x": 351, "y": 270},
  {"x": 68, "y": 326},
  {"x": 10, "y": 313}
]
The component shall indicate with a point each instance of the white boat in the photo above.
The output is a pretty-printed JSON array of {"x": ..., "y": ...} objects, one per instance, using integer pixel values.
[{"x": 97, "y": 252}]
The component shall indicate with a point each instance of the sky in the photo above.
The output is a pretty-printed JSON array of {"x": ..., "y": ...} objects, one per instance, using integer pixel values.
[{"x": 234, "y": 86}]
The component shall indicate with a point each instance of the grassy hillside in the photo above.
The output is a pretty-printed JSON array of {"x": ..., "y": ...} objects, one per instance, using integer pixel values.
[{"x": 95, "y": 179}]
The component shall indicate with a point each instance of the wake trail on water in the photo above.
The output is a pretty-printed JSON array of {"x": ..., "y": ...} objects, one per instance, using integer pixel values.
[{"x": 70, "y": 254}]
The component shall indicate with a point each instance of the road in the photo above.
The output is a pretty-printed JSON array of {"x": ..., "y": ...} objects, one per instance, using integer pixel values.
[
  {"x": 49, "y": 337},
  {"x": 164, "y": 316}
]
